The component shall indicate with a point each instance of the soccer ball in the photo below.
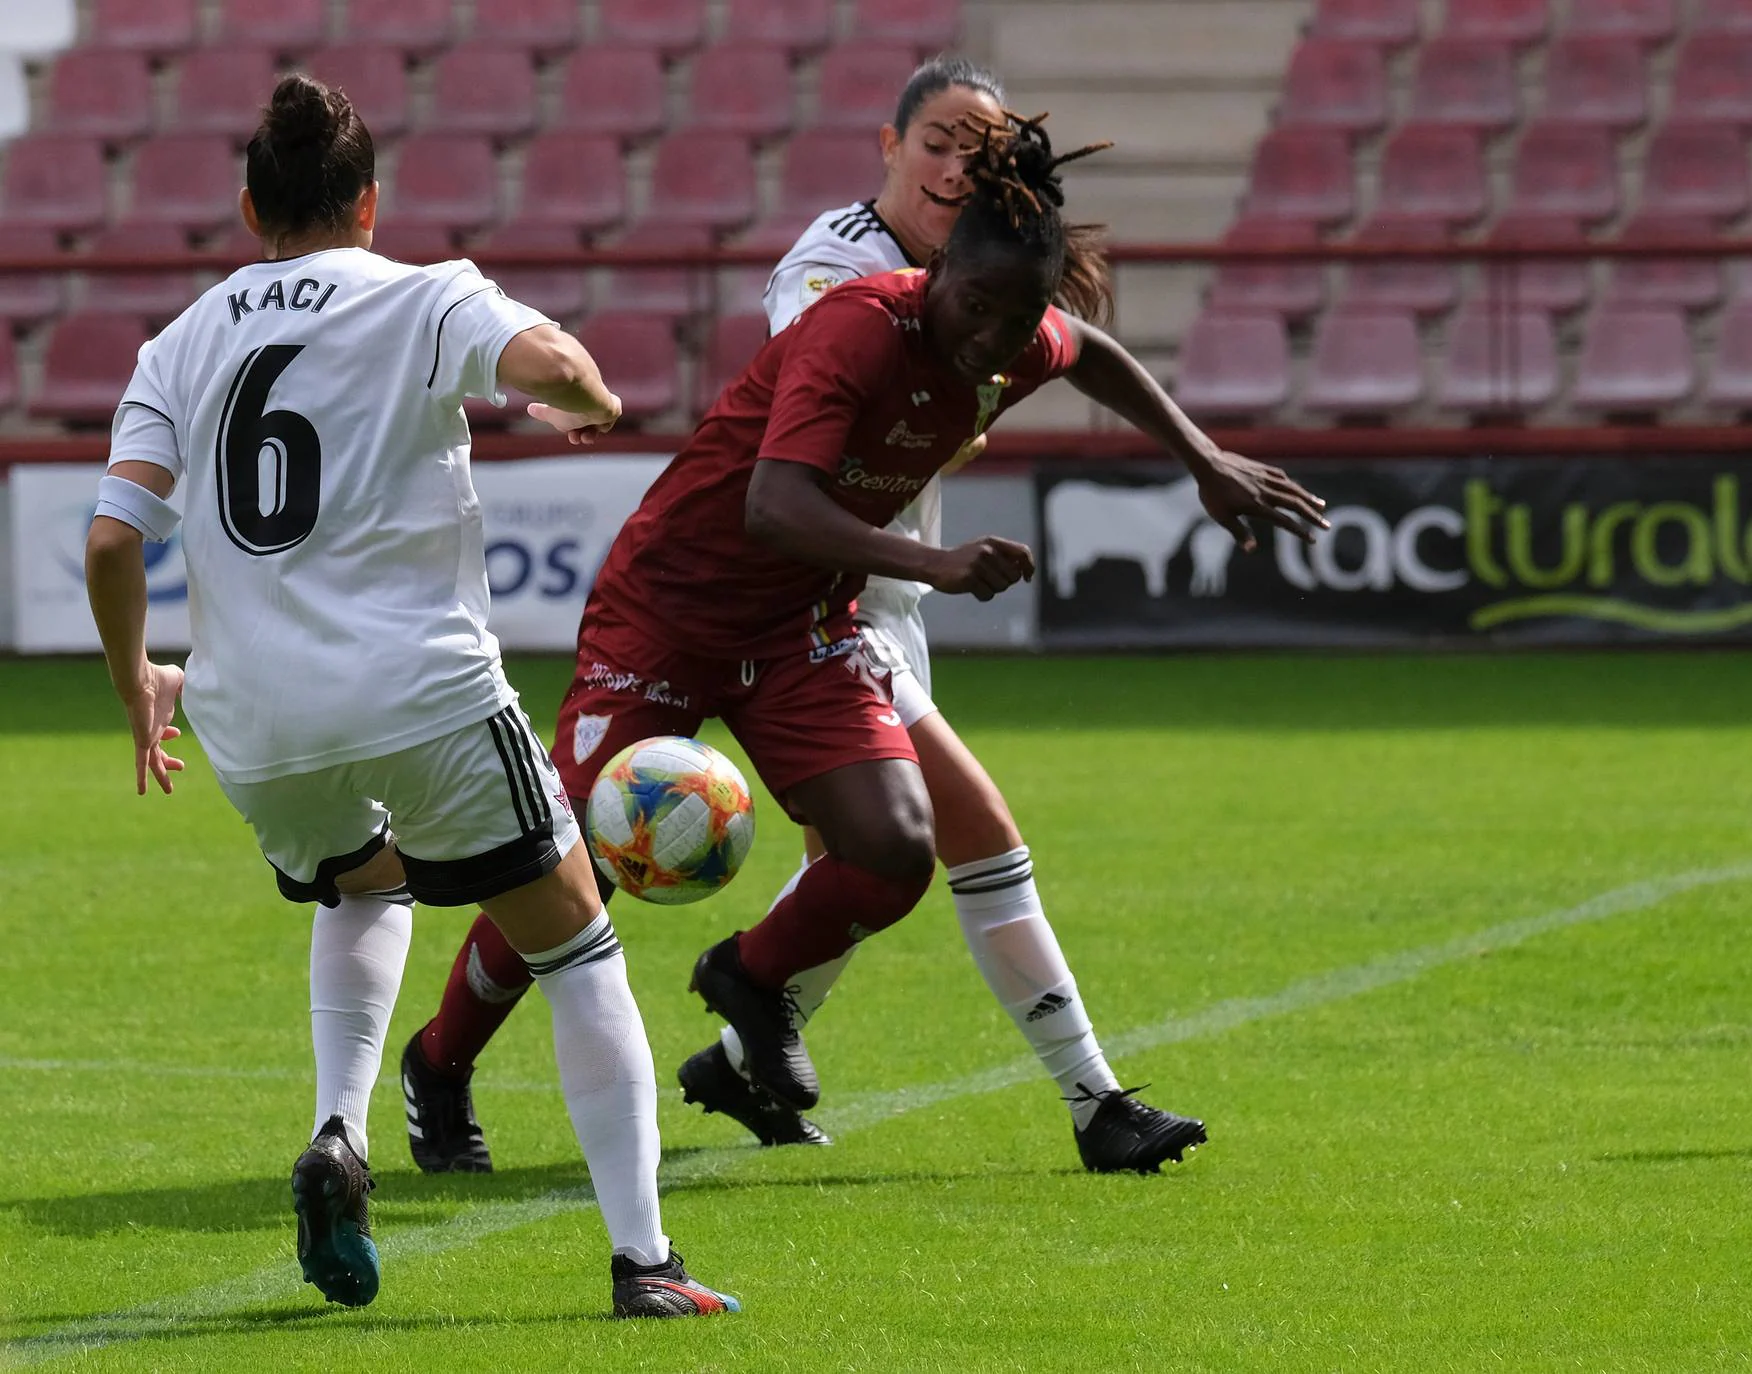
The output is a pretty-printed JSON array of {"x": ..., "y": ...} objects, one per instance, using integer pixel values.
[{"x": 669, "y": 820}]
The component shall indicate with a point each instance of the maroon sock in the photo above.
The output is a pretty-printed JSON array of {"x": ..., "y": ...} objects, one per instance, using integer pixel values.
[
  {"x": 486, "y": 982},
  {"x": 833, "y": 906}
]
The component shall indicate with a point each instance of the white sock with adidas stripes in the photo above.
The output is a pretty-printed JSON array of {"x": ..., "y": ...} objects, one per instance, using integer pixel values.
[
  {"x": 1018, "y": 955},
  {"x": 357, "y": 952},
  {"x": 609, "y": 1083}
]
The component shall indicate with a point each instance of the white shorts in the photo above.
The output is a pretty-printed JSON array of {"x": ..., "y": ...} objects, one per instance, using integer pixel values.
[
  {"x": 896, "y": 638},
  {"x": 473, "y": 814}
]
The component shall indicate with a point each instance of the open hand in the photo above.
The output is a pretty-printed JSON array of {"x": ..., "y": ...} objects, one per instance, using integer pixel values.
[
  {"x": 577, "y": 426},
  {"x": 983, "y": 567},
  {"x": 1234, "y": 486},
  {"x": 150, "y": 709}
]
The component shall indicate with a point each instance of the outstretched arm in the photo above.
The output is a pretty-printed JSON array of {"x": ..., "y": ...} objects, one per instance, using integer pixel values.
[{"x": 1230, "y": 485}]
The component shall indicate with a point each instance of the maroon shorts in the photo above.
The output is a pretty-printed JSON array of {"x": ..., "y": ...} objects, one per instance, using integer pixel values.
[{"x": 798, "y": 717}]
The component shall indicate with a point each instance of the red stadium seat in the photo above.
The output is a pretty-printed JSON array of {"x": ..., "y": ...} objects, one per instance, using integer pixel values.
[
  {"x": 417, "y": 27},
  {"x": 1430, "y": 171},
  {"x": 57, "y": 181},
  {"x": 1730, "y": 381},
  {"x": 1643, "y": 21},
  {"x": 28, "y": 297},
  {"x": 186, "y": 180},
  {"x": 157, "y": 297},
  {"x": 1634, "y": 359},
  {"x": 161, "y": 28},
  {"x": 702, "y": 179},
  {"x": 575, "y": 180},
  {"x": 1391, "y": 23},
  {"x": 285, "y": 26},
  {"x": 1697, "y": 169},
  {"x": 100, "y": 92},
  {"x": 614, "y": 91},
  {"x": 413, "y": 241},
  {"x": 8, "y": 371},
  {"x": 1689, "y": 283},
  {"x": 1302, "y": 174},
  {"x": 1292, "y": 289},
  {"x": 1722, "y": 16},
  {"x": 481, "y": 88},
  {"x": 1516, "y": 22},
  {"x": 560, "y": 293},
  {"x": 87, "y": 365},
  {"x": 796, "y": 25},
  {"x": 921, "y": 23},
  {"x": 1422, "y": 286},
  {"x": 865, "y": 84},
  {"x": 668, "y": 292},
  {"x": 1466, "y": 82},
  {"x": 1334, "y": 84},
  {"x": 673, "y": 27},
  {"x": 448, "y": 181},
  {"x": 1595, "y": 80},
  {"x": 374, "y": 79},
  {"x": 640, "y": 350},
  {"x": 1712, "y": 80},
  {"x": 1498, "y": 362},
  {"x": 730, "y": 345},
  {"x": 1557, "y": 285},
  {"x": 823, "y": 170},
  {"x": 222, "y": 91},
  {"x": 1233, "y": 365},
  {"x": 1364, "y": 362},
  {"x": 1567, "y": 170},
  {"x": 537, "y": 26},
  {"x": 741, "y": 90}
]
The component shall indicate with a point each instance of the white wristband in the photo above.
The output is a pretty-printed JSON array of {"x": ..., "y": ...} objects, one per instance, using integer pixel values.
[{"x": 132, "y": 504}]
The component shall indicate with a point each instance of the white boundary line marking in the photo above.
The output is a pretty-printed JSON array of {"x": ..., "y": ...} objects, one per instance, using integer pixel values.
[{"x": 279, "y": 1281}]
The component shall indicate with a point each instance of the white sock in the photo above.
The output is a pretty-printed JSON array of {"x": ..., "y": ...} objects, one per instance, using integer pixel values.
[
  {"x": 609, "y": 1083},
  {"x": 808, "y": 989},
  {"x": 1009, "y": 937},
  {"x": 357, "y": 952}
]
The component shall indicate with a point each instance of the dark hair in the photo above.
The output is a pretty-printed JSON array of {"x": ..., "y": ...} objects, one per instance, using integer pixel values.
[
  {"x": 1015, "y": 198},
  {"x": 938, "y": 75},
  {"x": 309, "y": 160}
]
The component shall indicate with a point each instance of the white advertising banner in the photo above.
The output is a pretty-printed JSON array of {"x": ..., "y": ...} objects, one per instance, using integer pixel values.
[{"x": 548, "y": 523}]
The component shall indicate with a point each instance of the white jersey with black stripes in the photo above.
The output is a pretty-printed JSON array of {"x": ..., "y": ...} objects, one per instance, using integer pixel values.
[{"x": 311, "y": 410}]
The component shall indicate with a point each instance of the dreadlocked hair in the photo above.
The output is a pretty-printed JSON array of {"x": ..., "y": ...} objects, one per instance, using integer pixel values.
[{"x": 1015, "y": 196}]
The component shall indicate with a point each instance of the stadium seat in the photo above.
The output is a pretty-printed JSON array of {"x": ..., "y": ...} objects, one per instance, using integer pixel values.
[
  {"x": 86, "y": 367},
  {"x": 1291, "y": 289},
  {"x": 1422, "y": 286},
  {"x": 222, "y": 91},
  {"x": 1565, "y": 170},
  {"x": 642, "y": 348},
  {"x": 1391, "y": 23},
  {"x": 100, "y": 92},
  {"x": 1431, "y": 171},
  {"x": 28, "y": 298},
  {"x": 1302, "y": 174},
  {"x": 283, "y": 26},
  {"x": 1233, "y": 365},
  {"x": 822, "y": 171},
  {"x": 735, "y": 89},
  {"x": 8, "y": 371},
  {"x": 1730, "y": 380},
  {"x": 1498, "y": 363},
  {"x": 1697, "y": 169},
  {"x": 1722, "y": 16},
  {"x": 560, "y": 293},
  {"x": 798, "y": 26},
  {"x": 730, "y": 344},
  {"x": 1642, "y": 21},
  {"x": 925, "y": 24},
  {"x": 576, "y": 180},
  {"x": 613, "y": 91},
  {"x": 1364, "y": 363},
  {"x": 1634, "y": 359},
  {"x": 482, "y": 88},
  {"x": 156, "y": 297},
  {"x": 865, "y": 82},
  {"x": 1515, "y": 22},
  {"x": 186, "y": 180},
  {"x": 673, "y": 27},
  {"x": 1689, "y": 283},
  {"x": 1596, "y": 80},
  {"x": 1334, "y": 84},
  {"x": 375, "y": 79},
  {"x": 667, "y": 292},
  {"x": 1466, "y": 82},
  {"x": 57, "y": 181},
  {"x": 412, "y": 241},
  {"x": 544, "y": 27},
  {"x": 702, "y": 179},
  {"x": 419, "y": 28},
  {"x": 450, "y": 181},
  {"x": 1557, "y": 285},
  {"x": 160, "y": 28},
  {"x": 1712, "y": 80}
]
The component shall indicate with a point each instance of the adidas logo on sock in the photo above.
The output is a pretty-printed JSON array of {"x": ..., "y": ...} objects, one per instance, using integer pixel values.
[{"x": 1047, "y": 1005}]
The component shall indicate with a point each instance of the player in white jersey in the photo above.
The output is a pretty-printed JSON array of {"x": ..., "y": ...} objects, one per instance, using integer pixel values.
[{"x": 343, "y": 680}]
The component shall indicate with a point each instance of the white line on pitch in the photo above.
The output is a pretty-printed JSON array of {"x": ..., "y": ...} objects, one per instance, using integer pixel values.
[{"x": 279, "y": 1281}]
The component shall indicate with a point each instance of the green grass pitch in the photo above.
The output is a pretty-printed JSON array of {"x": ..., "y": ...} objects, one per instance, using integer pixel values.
[{"x": 1451, "y": 953}]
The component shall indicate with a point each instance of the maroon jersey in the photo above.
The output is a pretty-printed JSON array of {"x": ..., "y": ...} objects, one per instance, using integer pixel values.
[{"x": 851, "y": 389}]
